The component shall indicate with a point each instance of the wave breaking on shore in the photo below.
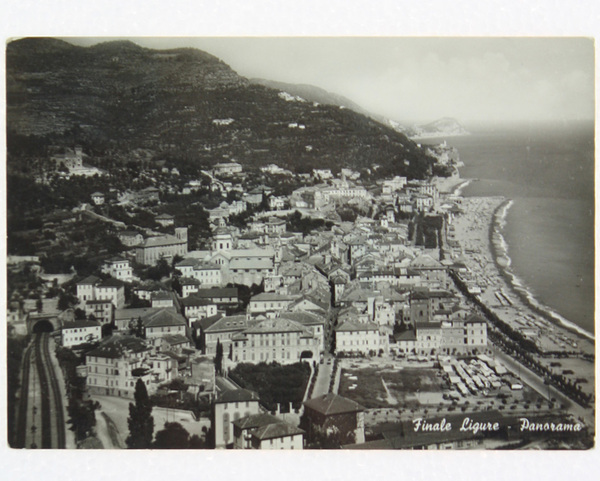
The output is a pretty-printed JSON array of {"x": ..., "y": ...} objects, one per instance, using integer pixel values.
[
  {"x": 503, "y": 262},
  {"x": 459, "y": 188}
]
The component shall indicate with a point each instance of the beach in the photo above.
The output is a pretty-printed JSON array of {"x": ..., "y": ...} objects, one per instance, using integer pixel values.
[{"x": 482, "y": 251}]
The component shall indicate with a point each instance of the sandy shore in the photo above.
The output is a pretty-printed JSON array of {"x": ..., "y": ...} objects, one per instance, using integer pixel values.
[
  {"x": 472, "y": 231},
  {"x": 448, "y": 185}
]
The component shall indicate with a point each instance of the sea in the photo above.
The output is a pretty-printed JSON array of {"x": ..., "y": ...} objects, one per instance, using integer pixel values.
[{"x": 547, "y": 170}]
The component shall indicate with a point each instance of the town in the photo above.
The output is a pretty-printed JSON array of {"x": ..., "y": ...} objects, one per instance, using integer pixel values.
[{"x": 159, "y": 306}]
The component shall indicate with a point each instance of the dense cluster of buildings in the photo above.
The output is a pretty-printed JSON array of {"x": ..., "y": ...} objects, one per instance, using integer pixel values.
[{"x": 361, "y": 288}]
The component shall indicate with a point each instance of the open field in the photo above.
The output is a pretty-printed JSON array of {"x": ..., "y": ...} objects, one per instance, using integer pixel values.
[{"x": 409, "y": 388}]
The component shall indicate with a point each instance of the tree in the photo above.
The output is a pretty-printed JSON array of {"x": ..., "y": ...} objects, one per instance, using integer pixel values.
[
  {"x": 107, "y": 330},
  {"x": 176, "y": 260},
  {"x": 140, "y": 420},
  {"x": 219, "y": 357},
  {"x": 65, "y": 301},
  {"x": 172, "y": 436},
  {"x": 176, "y": 286},
  {"x": 136, "y": 328},
  {"x": 39, "y": 305},
  {"x": 82, "y": 417},
  {"x": 160, "y": 270},
  {"x": 196, "y": 442}
]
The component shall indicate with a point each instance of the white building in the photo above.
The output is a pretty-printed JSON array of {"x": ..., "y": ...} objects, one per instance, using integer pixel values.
[
  {"x": 424, "y": 202},
  {"x": 114, "y": 367},
  {"x": 394, "y": 185},
  {"x": 94, "y": 289},
  {"x": 245, "y": 266},
  {"x": 364, "y": 338},
  {"x": 452, "y": 336},
  {"x": 277, "y": 203},
  {"x": 268, "y": 303},
  {"x": 101, "y": 310},
  {"x": 322, "y": 174},
  {"x": 165, "y": 247},
  {"x": 80, "y": 332},
  {"x": 206, "y": 273},
  {"x": 111, "y": 290},
  {"x": 195, "y": 308},
  {"x": 165, "y": 220},
  {"x": 118, "y": 268},
  {"x": 98, "y": 198},
  {"x": 229, "y": 407},
  {"x": 189, "y": 286},
  {"x": 163, "y": 323},
  {"x": 264, "y": 431},
  {"x": 275, "y": 340},
  {"x": 130, "y": 238},
  {"x": 227, "y": 168}
]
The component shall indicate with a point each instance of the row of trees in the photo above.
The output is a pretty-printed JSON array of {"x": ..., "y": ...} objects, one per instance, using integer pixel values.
[
  {"x": 525, "y": 350},
  {"x": 81, "y": 412}
]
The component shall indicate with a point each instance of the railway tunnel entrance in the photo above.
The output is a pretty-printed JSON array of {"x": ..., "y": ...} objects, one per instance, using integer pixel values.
[
  {"x": 42, "y": 325},
  {"x": 38, "y": 323}
]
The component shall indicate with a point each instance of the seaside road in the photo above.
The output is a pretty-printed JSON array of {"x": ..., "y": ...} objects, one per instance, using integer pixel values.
[{"x": 537, "y": 383}]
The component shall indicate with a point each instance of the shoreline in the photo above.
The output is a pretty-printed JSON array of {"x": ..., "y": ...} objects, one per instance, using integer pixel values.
[
  {"x": 476, "y": 233},
  {"x": 563, "y": 350},
  {"x": 439, "y": 135},
  {"x": 524, "y": 293}
]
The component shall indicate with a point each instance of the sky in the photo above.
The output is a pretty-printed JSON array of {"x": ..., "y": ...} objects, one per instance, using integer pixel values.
[{"x": 421, "y": 79}]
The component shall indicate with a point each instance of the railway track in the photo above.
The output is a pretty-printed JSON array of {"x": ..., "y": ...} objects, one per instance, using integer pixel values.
[
  {"x": 59, "y": 413},
  {"x": 21, "y": 425},
  {"x": 48, "y": 408}
]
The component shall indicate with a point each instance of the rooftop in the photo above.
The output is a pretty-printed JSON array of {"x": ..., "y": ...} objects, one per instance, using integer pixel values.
[
  {"x": 229, "y": 323},
  {"x": 237, "y": 395},
  {"x": 330, "y": 404},
  {"x": 275, "y": 430},
  {"x": 79, "y": 323},
  {"x": 351, "y": 326},
  {"x": 89, "y": 280},
  {"x": 116, "y": 346},
  {"x": 163, "y": 240},
  {"x": 217, "y": 292},
  {"x": 163, "y": 317},
  {"x": 270, "y": 296}
]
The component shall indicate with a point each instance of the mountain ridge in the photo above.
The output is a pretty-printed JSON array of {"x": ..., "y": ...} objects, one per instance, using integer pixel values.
[
  {"x": 313, "y": 93},
  {"x": 117, "y": 96}
]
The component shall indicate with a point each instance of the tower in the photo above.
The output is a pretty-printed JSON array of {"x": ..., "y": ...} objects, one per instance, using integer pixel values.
[
  {"x": 222, "y": 240},
  {"x": 78, "y": 156}
]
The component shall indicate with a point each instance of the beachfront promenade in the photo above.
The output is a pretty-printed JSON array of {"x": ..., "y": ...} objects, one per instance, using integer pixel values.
[{"x": 472, "y": 231}]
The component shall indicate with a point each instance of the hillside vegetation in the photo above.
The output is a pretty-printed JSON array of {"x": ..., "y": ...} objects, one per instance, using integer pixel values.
[{"x": 116, "y": 97}]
